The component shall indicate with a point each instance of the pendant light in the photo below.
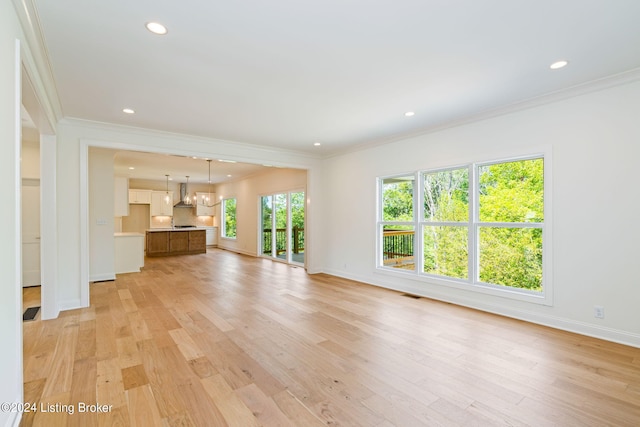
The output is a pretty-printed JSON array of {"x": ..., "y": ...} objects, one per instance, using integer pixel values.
[
  {"x": 208, "y": 198},
  {"x": 167, "y": 198},
  {"x": 187, "y": 197}
]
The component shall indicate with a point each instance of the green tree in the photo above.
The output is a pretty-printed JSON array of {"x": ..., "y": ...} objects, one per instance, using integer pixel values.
[
  {"x": 446, "y": 199},
  {"x": 230, "y": 217},
  {"x": 397, "y": 197}
]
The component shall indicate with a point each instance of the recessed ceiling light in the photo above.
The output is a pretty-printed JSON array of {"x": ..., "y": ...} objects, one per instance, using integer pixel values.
[
  {"x": 409, "y": 113},
  {"x": 128, "y": 111},
  {"x": 170, "y": 179},
  {"x": 156, "y": 28},
  {"x": 131, "y": 168},
  {"x": 228, "y": 176},
  {"x": 227, "y": 161},
  {"x": 317, "y": 144},
  {"x": 558, "y": 64}
]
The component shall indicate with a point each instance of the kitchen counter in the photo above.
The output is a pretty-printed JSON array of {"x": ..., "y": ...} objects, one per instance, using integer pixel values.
[
  {"x": 153, "y": 230},
  {"x": 176, "y": 241}
]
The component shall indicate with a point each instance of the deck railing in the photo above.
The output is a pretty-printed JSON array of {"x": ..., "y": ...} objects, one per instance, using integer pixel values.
[
  {"x": 297, "y": 245},
  {"x": 397, "y": 247}
]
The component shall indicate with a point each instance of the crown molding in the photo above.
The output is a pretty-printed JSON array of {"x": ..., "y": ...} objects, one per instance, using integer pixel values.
[
  {"x": 548, "y": 98},
  {"x": 234, "y": 150},
  {"x": 36, "y": 63}
]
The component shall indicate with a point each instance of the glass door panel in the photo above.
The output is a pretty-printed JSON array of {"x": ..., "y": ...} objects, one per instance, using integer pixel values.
[
  {"x": 297, "y": 227},
  {"x": 266, "y": 210},
  {"x": 280, "y": 230}
]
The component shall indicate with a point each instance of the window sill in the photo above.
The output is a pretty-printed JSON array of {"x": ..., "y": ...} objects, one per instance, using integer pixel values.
[{"x": 542, "y": 298}]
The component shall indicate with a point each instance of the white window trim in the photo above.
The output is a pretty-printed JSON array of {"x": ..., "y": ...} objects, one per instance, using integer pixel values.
[{"x": 471, "y": 284}]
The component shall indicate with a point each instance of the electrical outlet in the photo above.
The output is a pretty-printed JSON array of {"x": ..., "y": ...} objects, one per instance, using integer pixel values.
[{"x": 598, "y": 311}]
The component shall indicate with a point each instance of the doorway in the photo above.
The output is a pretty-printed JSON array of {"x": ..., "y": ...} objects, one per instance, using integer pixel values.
[
  {"x": 30, "y": 232},
  {"x": 282, "y": 219}
]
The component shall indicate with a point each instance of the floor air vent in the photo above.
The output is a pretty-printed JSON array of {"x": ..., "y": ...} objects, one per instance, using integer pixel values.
[
  {"x": 30, "y": 313},
  {"x": 411, "y": 296}
]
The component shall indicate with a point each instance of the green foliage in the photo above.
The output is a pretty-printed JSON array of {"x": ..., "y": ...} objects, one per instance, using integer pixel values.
[
  {"x": 511, "y": 257},
  {"x": 512, "y": 192},
  {"x": 446, "y": 195},
  {"x": 266, "y": 211},
  {"x": 397, "y": 195},
  {"x": 446, "y": 251},
  {"x": 230, "y": 218},
  {"x": 297, "y": 209}
]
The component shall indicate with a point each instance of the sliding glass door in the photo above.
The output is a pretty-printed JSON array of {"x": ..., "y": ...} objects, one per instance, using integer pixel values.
[{"x": 282, "y": 226}]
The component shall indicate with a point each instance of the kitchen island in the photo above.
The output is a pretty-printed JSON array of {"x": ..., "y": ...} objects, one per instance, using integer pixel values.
[{"x": 176, "y": 241}]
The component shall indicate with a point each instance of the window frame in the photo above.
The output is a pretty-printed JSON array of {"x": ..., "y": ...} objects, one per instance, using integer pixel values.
[
  {"x": 223, "y": 219},
  {"x": 472, "y": 282}
]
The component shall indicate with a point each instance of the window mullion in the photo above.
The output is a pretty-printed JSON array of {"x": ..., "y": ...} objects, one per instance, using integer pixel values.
[
  {"x": 418, "y": 247},
  {"x": 474, "y": 206}
]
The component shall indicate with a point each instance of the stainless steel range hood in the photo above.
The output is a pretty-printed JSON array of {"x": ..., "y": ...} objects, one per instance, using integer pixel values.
[{"x": 183, "y": 192}]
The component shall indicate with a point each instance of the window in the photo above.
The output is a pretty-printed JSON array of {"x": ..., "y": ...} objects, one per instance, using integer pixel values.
[
  {"x": 229, "y": 215},
  {"x": 479, "y": 225},
  {"x": 397, "y": 228}
]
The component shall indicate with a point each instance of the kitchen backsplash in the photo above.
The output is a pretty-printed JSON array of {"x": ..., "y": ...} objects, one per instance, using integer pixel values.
[{"x": 181, "y": 216}]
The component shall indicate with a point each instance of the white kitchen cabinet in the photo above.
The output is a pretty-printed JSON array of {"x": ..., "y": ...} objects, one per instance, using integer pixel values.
[
  {"x": 139, "y": 197},
  {"x": 159, "y": 206},
  {"x": 120, "y": 205},
  {"x": 202, "y": 206}
]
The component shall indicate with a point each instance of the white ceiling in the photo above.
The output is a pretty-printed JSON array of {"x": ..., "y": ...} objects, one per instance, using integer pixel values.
[{"x": 288, "y": 73}]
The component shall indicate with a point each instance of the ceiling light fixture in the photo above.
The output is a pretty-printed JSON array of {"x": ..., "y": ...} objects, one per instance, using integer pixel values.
[
  {"x": 187, "y": 197},
  {"x": 317, "y": 144},
  {"x": 156, "y": 28},
  {"x": 208, "y": 198},
  {"x": 167, "y": 198},
  {"x": 128, "y": 111},
  {"x": 131, "y": 168},
  {"x": 409, "y": 114},
  {"x": 227, "y": 161},
  {"x": 558, "y": 64}
]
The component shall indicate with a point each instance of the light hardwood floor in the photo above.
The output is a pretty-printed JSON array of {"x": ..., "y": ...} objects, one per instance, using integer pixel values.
[{"x": 223, "y": 339}]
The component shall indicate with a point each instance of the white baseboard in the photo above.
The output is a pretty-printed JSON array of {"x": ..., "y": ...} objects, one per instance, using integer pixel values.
[
  {"x": 569, "y": 325},
  {"x": 102, "y": 277},
  {"x": 70, "y": 304},
  {"x": 14, "y": 418}
]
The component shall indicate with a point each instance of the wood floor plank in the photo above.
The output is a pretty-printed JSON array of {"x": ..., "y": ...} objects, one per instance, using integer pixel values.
[
  {"x": 142, "y": 407},
  {"x": 262, "y": 406},
  {"x": 61, "y": 374},
  {"x": 234, "y": 411},
  {"x": 186, "y": 345},
  {"x": 221, "y": 339}
]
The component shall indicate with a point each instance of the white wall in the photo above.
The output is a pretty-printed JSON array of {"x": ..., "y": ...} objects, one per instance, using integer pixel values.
[
  {"x": 595, "y": 141},
  {"x": 30, "y": 157},
  {"x": 247, "y": 192},
  {"x": 101, "y": 219},
  {"x": 10, "y": 289}
]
